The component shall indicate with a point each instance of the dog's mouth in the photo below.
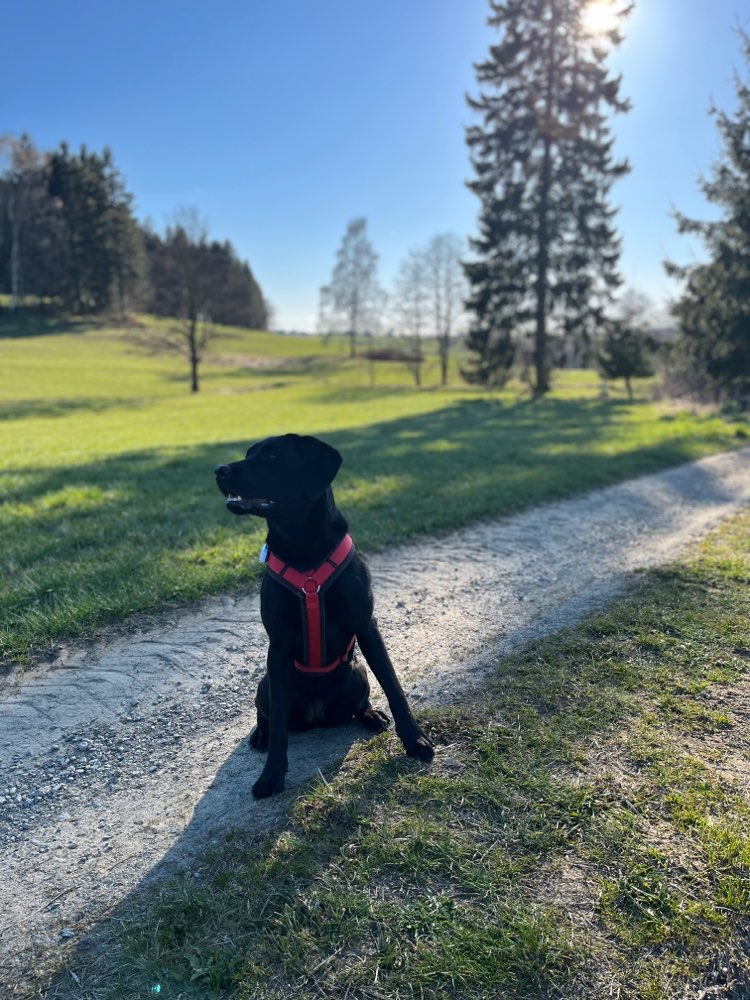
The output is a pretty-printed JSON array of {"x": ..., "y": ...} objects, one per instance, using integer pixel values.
[{"x": 249, "y": 505}]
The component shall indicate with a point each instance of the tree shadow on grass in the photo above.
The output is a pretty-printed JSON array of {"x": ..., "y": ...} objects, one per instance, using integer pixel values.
[
  {"x": 40, "y": 323},
  {"x": 21, "y": 409},
  {"x": 556, "y": 448},
  {"x": 160, "y": 518},
  {"x": 271, "y": 368}
]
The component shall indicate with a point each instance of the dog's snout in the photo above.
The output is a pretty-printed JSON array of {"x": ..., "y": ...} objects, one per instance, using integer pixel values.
[{"x": 222, "y": 471}]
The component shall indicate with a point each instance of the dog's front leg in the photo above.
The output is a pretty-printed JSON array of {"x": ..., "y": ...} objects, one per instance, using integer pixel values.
[
  {"x": 271, "y": 780},
  {"x": 370, "y": 641}
]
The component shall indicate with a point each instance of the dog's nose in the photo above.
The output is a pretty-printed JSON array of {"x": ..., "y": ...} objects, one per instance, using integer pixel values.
[{"x": 222, "y": 471}]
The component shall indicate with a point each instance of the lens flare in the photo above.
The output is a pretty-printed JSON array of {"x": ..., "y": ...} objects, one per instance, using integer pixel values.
[{"x": 599, "y": 17}]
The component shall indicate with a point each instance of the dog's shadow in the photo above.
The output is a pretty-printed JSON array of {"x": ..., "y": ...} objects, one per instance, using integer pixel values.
[
  {"x": 228, "y": 803},
  {"x": 226, "y": 811}
]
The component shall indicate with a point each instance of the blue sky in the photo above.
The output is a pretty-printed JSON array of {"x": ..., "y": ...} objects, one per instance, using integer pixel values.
[{"x": 281, "y": 120}]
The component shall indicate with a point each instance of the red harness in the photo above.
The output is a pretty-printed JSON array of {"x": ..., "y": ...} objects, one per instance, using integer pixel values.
[{"x": 309, "y": 587}]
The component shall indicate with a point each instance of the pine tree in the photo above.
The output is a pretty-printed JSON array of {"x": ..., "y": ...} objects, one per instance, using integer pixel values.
[
  {"x": 547, "y": 250},
  {"x": 99, "y": 241},
  {"x": 625, "y": 353},
  {"x": 229, "y": 293},
  {"x": 123, "y": 239},
  {"x": 23, "y": 204},
  {"x": 714, "y": 311}
]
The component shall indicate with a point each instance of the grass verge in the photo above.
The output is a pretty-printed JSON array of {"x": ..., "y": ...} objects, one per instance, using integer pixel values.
[
  {"x": 107, "y": 500},
  {"x": 583, "y": 831}
]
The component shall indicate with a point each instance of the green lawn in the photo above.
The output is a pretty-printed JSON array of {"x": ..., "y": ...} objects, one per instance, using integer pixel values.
[
  {"x": 584, "y": 831},
  {"x": 108, "y": 501}
]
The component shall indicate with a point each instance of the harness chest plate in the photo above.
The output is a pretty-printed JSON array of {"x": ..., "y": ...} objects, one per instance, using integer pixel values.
[{"x": 310, "y": 587}]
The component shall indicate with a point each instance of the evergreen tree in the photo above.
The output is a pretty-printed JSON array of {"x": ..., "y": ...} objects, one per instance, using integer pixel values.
[
  {"x": 229, "y": 292},
  {"x": 124, "y": 242},
  {"x": 547, "y": 250},
  {"x": 29, "y": 222},
  {"x": 21, "y": 192},
  {"x": 99, "y": 244},
  {"x": 497, "y": 300},
  {"x": 625, "y": 353},
  {"x": 236, "y": 296},
  {"x": 627, "y": 349},
  {"x": 714, "y": 310}
]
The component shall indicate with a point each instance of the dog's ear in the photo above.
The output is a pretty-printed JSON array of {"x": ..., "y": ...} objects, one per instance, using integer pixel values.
[{"x": 320, "y": 463}]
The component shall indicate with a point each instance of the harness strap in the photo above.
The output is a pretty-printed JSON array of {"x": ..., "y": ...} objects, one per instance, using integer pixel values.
[{"x": 310, "y": 586}]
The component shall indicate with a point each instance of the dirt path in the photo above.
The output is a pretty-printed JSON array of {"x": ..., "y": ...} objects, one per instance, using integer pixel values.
[{"x": 125, "y": 759}]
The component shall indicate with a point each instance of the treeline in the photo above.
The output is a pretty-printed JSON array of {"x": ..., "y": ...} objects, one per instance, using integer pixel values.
[
  {"x": 69, "y": 239},
  {"x": 188, "y": 273}
]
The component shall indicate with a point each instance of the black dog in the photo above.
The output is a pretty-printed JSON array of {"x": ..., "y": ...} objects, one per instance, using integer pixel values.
[{"x": 315, "y": 600}]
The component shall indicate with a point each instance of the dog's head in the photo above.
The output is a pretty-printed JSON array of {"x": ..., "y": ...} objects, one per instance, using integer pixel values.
[{"x": 280, "y": 477}]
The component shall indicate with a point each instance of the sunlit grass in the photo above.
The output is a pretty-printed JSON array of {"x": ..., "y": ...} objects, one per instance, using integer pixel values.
[{"x": 108, "y": 504}]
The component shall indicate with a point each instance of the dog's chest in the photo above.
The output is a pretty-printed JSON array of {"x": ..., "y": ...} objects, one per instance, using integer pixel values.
[{"x": 285, "y": 615}]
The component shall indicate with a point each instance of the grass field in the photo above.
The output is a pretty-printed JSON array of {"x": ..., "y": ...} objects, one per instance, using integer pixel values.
[
  {"x": 108, "y": 500},
  {"x": 584, "y": 831}
]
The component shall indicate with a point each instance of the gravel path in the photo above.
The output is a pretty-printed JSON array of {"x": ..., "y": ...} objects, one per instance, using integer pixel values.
[{"x": 125, "y": 760}]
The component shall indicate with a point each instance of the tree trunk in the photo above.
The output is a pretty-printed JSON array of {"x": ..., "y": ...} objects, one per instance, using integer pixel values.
[
  {"x": 15, "y": 240},
  {"x": 14, "y": 255},
  {"x": 540, "y": 337},
  {"x": 352, "y": 343},
  {"x": 193, "y": 355},
  {"x": 444, "y": 361}
]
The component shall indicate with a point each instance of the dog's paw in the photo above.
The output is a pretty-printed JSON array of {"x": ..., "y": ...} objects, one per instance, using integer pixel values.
[
  {"x": 268, "y": 784},
  {"x": 418, "y": 745},
  {"x": 374, "y": 720},
  {"x": 258, "y": 738}
]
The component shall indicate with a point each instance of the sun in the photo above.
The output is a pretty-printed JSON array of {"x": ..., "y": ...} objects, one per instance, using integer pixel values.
[{"x": 599, "y": 17}]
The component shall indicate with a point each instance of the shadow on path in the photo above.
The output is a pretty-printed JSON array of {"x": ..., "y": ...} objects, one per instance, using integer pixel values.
[{"x": 225, "y": 814}]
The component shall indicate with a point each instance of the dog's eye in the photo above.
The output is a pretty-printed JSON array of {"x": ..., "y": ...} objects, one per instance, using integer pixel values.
[{"x": 269, "y": 455}]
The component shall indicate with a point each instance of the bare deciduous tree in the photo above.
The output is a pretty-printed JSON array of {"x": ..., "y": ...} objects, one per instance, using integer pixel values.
[
  {"x": 447, "y": 289},
  {"x": 412, "y": 307},
  {"x": 188, "y": 265},
  {"x": 353, "y": 298}
]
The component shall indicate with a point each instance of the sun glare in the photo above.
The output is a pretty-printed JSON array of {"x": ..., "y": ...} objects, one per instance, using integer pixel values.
[{"x": 599, "y": 17}]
